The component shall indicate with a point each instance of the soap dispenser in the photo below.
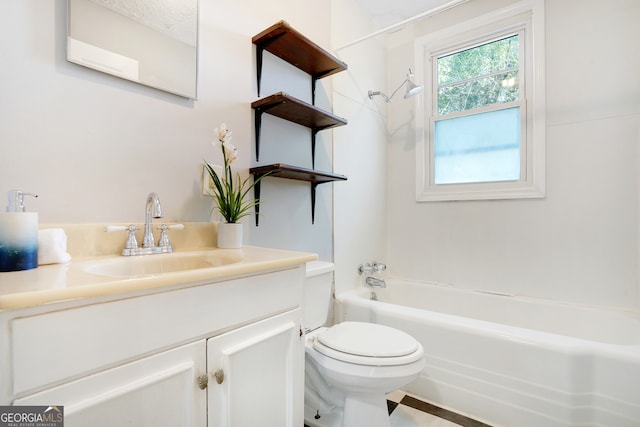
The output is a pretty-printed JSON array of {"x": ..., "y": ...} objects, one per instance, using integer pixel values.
[{"x": 18, "y": 235}]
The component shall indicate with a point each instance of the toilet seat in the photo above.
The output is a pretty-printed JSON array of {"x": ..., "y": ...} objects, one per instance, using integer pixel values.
[{"x": 368, "y": 344}]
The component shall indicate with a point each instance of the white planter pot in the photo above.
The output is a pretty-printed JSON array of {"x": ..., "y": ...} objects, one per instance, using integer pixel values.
[{"x": 229, "y": 235}]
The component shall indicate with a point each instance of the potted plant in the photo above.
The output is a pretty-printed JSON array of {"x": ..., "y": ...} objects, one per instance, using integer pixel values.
[{"x": 229, "y": 192}]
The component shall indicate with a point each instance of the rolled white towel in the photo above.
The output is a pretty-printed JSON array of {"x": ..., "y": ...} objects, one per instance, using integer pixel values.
[{"x": 52, "y": 246}]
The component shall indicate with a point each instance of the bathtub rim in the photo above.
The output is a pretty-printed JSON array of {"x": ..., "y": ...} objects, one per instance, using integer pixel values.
[{"x": 562, "y": 342}]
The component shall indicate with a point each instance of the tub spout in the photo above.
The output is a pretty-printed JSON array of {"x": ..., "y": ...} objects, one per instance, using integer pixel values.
[{"x": 372, "y": 281}]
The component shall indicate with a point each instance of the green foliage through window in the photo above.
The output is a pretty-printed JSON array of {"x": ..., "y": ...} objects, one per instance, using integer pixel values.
[{"x": 480, "y": 76}]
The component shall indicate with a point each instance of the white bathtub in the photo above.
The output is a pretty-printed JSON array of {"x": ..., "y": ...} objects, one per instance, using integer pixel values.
[{"x": 513, "y": 361}]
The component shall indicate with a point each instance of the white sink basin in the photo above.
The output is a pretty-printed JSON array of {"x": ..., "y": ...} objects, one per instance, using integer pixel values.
[{"x": 149, "y": 265}]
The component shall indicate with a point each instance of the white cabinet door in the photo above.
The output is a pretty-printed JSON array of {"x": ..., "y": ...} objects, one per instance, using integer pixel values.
[
  {"x": 160, "y": 390},
  {"x": 256, "y": 374}
]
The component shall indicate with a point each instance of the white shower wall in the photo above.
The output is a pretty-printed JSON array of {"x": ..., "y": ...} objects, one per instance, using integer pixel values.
[
  {"x": 360, "y": 148},
  {"x": 579, "y": 243}
]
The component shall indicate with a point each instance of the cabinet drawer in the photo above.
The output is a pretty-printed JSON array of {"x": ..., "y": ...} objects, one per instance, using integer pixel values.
[{"x": 53, "y": 347}]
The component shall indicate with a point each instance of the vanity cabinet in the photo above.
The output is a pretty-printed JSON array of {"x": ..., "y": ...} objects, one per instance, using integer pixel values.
[{"x": 228, "y": 353}]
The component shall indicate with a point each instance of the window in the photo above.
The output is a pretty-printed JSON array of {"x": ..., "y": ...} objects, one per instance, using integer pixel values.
[
  {"x": 482, "y": 134},
  {"x": 476, "y": 125}
]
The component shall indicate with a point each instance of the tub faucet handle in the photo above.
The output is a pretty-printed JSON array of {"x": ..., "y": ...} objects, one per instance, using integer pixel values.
[
  {"x": 378, "y": 267},
  {"x": 364, "y": 268},
  {"x": 372, "y": 267}
]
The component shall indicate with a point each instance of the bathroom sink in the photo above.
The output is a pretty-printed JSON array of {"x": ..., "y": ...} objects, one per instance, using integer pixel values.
[{"x": 149, "y": 265}]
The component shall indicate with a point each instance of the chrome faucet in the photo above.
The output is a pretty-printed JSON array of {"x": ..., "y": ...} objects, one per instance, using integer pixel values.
[
  {"x": 375, "y": 268},
  {"x": 152, "y": 210},
  {"x": 149, "y": 247}
]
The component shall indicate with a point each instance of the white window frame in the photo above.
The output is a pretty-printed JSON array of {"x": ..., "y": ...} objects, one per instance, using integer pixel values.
[{"x": 527, "y": 19}]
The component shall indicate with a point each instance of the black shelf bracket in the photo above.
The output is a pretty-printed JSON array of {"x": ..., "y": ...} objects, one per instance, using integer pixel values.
[
  {"x": 259, "y": 52},
  {"x": 258, "y": 126},
  {"x": 313, "y": 201},
  {"x": 314, "y": 133},
  {"x": 314, "y": 80},
  {"x": 256, "y": 195},
  {"x": 259, "y": 55},
  {"x": 316, "y": 77}
]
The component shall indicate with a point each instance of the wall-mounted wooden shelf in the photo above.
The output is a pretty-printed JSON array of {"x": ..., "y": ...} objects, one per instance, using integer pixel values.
[
  {"x": 292, "y": 109},
  {"x": 279, "y": 170},
  {"x": 285, "y": 42}
]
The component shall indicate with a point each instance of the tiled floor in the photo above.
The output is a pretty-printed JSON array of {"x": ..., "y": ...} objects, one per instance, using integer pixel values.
[{"x": 407, "y": 411}]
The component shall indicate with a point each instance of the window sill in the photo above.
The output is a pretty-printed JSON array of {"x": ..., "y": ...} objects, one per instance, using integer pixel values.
[{"x": 480, "y": 191}]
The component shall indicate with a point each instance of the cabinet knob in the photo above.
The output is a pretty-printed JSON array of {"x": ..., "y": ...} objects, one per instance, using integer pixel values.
[
  {"x": 203, "y": 380},
  {"x": 219, "y": 375}
]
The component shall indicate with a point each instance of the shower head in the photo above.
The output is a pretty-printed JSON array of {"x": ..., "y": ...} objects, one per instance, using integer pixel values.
[{"x": 412, "y": 89}]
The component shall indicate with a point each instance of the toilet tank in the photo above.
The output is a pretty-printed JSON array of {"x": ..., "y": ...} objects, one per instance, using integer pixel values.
[{"x": 316, "y": 300}]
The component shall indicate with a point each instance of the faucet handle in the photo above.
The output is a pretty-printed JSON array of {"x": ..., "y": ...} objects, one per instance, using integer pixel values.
[
  {"x": 364, "y": 268},
  {"x": 112, "y": 228},
  {"x": 378, "y": 267},
  {"x": 163, "y": 242},
  {"x": 131, "y": 247},
  {"x": 171, "y": 227},
  {"x": 372, "y": 267},
  {"x": 132, "y": 242}
]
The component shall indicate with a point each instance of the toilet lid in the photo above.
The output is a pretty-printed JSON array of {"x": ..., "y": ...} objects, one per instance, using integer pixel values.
[{"x": 368, "y": 339}]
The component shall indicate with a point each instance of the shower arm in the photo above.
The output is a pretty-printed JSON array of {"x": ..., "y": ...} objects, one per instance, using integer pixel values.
[
  {"x": 387, "y": 98},
  {"x": 411, "y": 90}
]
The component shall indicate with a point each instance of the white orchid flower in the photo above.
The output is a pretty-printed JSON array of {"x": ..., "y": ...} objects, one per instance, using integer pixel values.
[
  {"x": 223, "y": 133},
  {"x": 230, "y": 152}
]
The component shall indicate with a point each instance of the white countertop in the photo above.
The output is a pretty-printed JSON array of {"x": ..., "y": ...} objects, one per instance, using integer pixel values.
[{"x": 60, "y": 282}]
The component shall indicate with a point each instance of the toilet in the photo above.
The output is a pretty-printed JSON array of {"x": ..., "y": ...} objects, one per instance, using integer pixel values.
[{"x": 350, "y": 366}]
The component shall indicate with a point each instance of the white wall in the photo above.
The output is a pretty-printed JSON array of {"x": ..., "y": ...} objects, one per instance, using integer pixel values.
[
  {"x": 359, "y": 147},
  {"x": 580, "y": 243},
  {"x": 93, "y": 146}
]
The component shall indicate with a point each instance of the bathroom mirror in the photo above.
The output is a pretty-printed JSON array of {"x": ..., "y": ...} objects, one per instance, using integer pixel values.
[{"x": 151, "y": 42}]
